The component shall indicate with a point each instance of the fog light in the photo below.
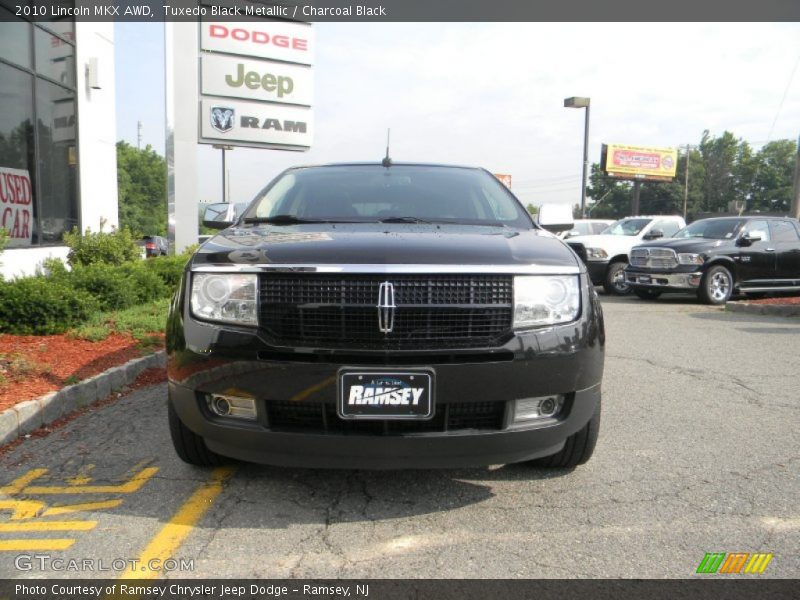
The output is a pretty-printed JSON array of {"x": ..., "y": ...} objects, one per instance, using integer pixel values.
[
  {"x": 232, "y": 406},
  {"x": 527, "y": 409}
]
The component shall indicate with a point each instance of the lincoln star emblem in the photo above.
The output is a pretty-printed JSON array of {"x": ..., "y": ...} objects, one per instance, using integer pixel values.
[
  {"x": 222, "y": 118},
  {"x": 386, "y": 307}
]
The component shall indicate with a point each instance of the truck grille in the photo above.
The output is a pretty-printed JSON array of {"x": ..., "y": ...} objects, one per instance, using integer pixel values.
[
  {"x": 432, "y": 311},
  {"x": 580, "y": 250},
  {"x": 655, "y": 258},
  {"x": 322, "y": 418}
]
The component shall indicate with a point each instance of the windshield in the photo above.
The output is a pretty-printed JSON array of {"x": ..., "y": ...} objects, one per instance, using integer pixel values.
[
  {"x": 401, "y": 193},
  {"x": 711, "y": 229},
  {"x": 626, "y": 227}
]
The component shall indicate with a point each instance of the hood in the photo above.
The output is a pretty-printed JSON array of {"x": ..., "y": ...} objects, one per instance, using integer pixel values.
[
  {"x": 692, "y": 245},
  {"x": 381, "y": 243},
  {"x": 612, "y": 244}
]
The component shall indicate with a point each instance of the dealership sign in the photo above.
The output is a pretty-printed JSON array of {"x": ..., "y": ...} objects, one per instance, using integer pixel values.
[
  {"x": 278, "y": 40},
  {"x": 256, "y": 85},
  {"x": 639, "y": 162},
  {"x": 238, "y": 77},
  {"x": 16, "y": 205},
  {"x": 256, "y": 123}
]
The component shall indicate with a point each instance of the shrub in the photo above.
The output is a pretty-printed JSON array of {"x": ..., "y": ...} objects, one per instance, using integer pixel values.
[
  {"x": 148, "y": 285},
  {"x": 42, "y": 306},
  {"x": 114, "y": 248},
  {"x": 168, "y": 268},
  {"x": 110, "y": 285}
]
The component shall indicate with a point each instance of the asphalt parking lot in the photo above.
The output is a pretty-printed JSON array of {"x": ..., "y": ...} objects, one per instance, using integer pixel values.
[{"x": 699, "y": 452}]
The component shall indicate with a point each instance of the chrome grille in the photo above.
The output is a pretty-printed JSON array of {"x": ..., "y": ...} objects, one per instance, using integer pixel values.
[
  {"x": 655, "y": 258},
  {"x": 432, "y": 311}
]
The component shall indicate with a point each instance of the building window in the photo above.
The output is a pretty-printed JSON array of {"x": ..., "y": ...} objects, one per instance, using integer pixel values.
[{"x": 38, "y": 132}]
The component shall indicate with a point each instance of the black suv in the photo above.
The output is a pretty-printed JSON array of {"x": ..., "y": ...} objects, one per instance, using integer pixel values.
[
  {"x": 382, "y": 316},
  {"x": 714, "y": 257}
]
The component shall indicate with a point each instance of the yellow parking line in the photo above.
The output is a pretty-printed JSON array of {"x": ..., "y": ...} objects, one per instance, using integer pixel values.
[
  {"x": 29, "y": 545},
  {"x": 86, "y": 506},
  {"x": 172, "y": 535},
  {"x": 303, "y": 394},
  {"x": 49, "y": 526},
  {"x": 129, "y": 487},
  {"x": 16, "y": 486}
]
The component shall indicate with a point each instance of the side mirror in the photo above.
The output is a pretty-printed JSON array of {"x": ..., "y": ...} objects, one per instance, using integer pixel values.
[
  {"x": 219, "y": 216},
  {"x": 556, "y": 217},
  {"x": 653, "y": 235},
  {"x": 747, "y": 239}
]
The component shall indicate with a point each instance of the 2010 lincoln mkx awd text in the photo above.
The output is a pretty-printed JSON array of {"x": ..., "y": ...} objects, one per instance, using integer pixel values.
[{"x": 385, "y": 316}]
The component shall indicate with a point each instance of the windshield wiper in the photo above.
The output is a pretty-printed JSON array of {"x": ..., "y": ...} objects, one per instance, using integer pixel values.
[
  {"x": 289, "y": 220},
  {"x": 403, "y": 220}
]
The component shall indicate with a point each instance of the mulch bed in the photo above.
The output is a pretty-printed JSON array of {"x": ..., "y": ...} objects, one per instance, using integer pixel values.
[
  {"x": 34, "y": 365},
  {"x": 786, "y": 301}
]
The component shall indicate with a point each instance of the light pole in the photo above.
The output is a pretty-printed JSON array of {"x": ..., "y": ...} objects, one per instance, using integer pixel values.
[
  {"x": 581, "y": 102},
  {"x": 224, "y": 149}
]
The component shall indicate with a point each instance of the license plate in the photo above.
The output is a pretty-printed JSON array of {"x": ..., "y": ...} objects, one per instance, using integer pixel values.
[
  {"x": 644, "y": 279},
  {"x": 385, "y": 394}
]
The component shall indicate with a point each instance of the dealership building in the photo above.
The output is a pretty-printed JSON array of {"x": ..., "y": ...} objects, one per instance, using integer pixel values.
[{"x": 57, "y": 136}]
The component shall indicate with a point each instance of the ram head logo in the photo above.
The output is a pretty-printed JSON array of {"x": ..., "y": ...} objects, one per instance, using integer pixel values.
[{"x": 222, "y": 118}]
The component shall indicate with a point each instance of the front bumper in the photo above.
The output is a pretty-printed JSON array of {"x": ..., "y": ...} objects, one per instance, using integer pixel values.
[
  {"x": 682, "y": 282},
  {"x": 207, "y": 359},
  {"x": 255, "y": 443}
]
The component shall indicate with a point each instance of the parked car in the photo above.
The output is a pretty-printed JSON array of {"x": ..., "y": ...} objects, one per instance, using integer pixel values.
[
  {"x": 606, "y": 254},
  {"x": 154, "y": 245},
  {"x": 715, "y": 257},
  {"x": 586, "y": 227},
  {"x": 385, "y": 317}
]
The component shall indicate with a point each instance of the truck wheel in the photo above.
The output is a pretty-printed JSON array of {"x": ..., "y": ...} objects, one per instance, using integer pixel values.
[
  {"x": 615, "y": 280},
  {"x": 190, "y": 447},
  {"x": 578, "y": 448},
  {"x": 716, "y": 286},
  {"x": 646, "y": 293}
]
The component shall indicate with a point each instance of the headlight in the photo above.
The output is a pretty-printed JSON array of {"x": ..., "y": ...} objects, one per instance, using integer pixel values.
[
  {"x": 545, "y": 300},
  {"x": 596, "y": 254},
  {"x": 230, "y": 298},
  {"x": 691, "y": 259}
]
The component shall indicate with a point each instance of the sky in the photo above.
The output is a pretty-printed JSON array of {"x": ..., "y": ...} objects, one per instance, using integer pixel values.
[{"x": 491, "y": 95}]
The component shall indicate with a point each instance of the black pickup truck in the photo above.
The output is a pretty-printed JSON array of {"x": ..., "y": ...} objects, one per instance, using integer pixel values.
[
  {"x": 385, "y": 316},
  {"x": 715, "y": 257}
]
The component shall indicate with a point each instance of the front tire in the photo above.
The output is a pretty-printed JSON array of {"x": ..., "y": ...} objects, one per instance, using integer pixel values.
[
  {"x": 578, "y": 448},
  {"x": 615, "y": 280},
  {"x": 646, "y": 293},
  {"x": 716, "y": 286},
  {"x": 190, "y": 447}
]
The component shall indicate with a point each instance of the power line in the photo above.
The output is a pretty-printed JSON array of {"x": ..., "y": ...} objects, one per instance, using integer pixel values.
[{"x": 783, "y": 98}]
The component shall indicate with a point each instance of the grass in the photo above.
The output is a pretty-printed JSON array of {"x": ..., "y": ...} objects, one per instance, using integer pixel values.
[{"x": 144, "y": 323}]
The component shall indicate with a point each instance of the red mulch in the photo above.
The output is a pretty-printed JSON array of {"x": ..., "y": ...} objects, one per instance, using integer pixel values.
[
  {"x": 777, "y": 301},
  {"x": 34, "y": 365}
]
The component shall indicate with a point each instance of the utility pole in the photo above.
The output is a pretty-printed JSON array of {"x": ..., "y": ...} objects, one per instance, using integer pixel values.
[
  {"x": 796, "y": 189},
  {"x": 686, "y": 182},
  {"x": 138, "y": 135}
]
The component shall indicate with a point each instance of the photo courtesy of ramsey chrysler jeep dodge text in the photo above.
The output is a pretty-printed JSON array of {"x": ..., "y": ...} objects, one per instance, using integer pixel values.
[{"x": 385, "y": 316}]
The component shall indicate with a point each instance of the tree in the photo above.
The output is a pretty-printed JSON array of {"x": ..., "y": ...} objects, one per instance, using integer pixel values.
[
  {"x": 771, "y": 181},
  {"x": 141, "y": 178},
  {"x": 533, "y": 210}
]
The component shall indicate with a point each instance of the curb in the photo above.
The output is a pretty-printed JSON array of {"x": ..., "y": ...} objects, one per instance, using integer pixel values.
[
  {"x": 29, "y": 415},
  {"x": 792, "y": 310}
]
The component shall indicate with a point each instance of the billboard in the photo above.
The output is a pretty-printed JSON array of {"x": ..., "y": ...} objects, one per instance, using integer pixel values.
[
  {"x": 639, "y": 162},
  {"x": 504, "y": 178}
]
